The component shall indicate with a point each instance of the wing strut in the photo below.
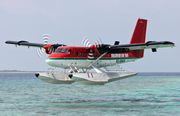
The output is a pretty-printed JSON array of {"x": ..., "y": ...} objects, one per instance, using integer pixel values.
[{"x": 98, "y": 59}]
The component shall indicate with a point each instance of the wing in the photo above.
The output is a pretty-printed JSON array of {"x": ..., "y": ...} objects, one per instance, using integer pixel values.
[
  {"x": 147, "y": 45},
  {"x": 49, "y": 48},
  {"x": 137, "y": 46},
  {"x": 25, "y": 43}
]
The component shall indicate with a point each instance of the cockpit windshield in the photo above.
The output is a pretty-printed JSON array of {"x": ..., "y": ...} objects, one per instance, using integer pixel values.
[{"x": 61, "y": 50}]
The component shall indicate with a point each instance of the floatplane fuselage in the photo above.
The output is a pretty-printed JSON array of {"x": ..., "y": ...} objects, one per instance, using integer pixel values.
[
  {"x": 80, "y": 57},
  {"x": 95, "y": 57}
]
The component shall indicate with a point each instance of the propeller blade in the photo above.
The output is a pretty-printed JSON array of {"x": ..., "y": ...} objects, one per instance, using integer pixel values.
[
  {"x": 45, "y": 38},
  {"x": 40, "y": 52},
  {"x": 99, "y": 41},
  {"x": 82, "y": 43},
  {"x": 85, "y": 42}
]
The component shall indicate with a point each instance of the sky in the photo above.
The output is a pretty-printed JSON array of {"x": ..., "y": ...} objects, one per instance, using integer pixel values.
[{"x": 69, "y": 21}]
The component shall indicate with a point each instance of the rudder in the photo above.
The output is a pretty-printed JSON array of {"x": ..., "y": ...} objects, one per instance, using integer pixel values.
[{"x": 139, "y": 36}]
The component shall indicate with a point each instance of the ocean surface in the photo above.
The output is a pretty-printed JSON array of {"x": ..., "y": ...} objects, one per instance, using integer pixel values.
[{"x": 146, "y": 94}]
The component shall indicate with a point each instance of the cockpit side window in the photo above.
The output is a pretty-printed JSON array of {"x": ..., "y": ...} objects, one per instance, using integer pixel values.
[
  {"x": 61, "y": 50},
  {"x": 69, "y": 52},
  {"x": 57, "y": 50}
]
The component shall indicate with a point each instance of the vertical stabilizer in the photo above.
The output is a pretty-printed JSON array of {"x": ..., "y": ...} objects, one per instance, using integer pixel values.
[{"x": 139, "y": 36}]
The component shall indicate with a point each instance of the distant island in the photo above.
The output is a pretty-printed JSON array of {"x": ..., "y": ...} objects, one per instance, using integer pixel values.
[
  {"x": 17, "y": 71},
  {"x": 9, "y": 71}
]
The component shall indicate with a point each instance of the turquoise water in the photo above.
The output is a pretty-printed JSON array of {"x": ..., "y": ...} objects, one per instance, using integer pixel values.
[{"x": 147, "y": 94}]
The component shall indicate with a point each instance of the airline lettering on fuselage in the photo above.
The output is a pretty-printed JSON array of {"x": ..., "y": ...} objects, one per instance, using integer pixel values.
[{"x": 119, "y": 55}]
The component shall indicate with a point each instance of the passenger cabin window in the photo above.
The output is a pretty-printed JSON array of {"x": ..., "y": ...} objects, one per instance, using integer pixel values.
[
  {"x": 81, "y": 53},
  {"x": 61, "y": 50},
  {"x": 77, "y": 53},
  {"x": 69, "y": 52}
]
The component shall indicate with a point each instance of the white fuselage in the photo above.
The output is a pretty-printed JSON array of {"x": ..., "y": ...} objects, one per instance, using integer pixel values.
[{"x": 66, "y": 63}]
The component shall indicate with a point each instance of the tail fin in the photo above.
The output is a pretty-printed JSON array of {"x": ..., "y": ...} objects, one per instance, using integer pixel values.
[
  {"x": 139, "y": 33},
  {"x": 139, "y": 36}
]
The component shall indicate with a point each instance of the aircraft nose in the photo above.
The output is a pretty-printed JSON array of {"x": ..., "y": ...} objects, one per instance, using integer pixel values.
[{"x": 50, "y": 61}]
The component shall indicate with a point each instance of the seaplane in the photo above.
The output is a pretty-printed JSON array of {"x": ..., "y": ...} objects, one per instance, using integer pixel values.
[{"x": 103, "y": 59}]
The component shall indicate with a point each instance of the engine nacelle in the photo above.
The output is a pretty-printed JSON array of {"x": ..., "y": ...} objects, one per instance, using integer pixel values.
[
  {"x": 102, "y": 48},
  {"x": 50, "y": 48}
]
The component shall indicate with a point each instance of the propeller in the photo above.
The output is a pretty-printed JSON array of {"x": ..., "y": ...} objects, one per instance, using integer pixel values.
[
  {"x": 45, "y": 38},
  {"x": 40, "y": 51},
  {"x": 98, "y": 41},
  {"x": 86, "y": 42}
]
